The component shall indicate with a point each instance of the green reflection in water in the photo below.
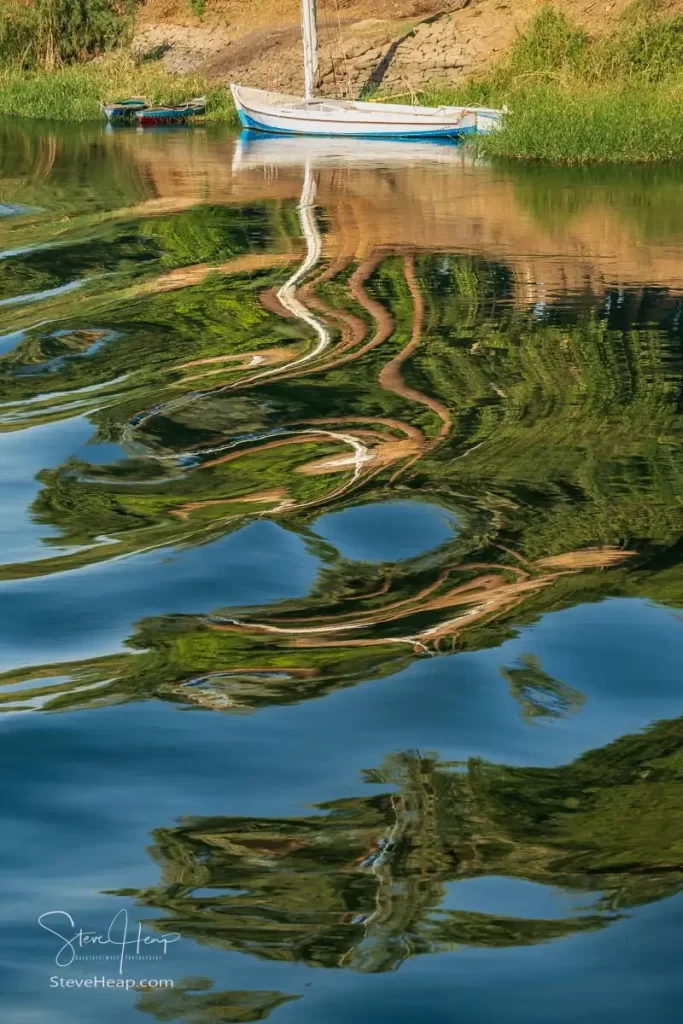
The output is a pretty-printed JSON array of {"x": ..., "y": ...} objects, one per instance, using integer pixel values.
[
  {"x": 191, "y": 1001},
  {"x": 532, "y": 401},
  {"x": 549, "y": 424},
  {"x": 360, "y": 882}
]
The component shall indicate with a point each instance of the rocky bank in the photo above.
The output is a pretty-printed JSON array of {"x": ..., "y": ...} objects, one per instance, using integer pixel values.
[{"x": 409, "y": 46}]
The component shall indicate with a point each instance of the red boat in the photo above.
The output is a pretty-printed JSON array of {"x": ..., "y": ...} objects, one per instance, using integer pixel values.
[{"x": 172, "y": 115}]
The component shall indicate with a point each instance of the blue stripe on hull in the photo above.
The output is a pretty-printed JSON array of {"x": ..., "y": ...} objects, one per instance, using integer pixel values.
[{"x": 440, "y": 133}]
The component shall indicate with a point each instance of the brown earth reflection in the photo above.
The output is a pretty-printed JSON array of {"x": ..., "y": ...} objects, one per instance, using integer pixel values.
[
  {"x": 483, "y": 596},
  {"x": 559, "y": 228},
  {"x": 582, "y": 238}
]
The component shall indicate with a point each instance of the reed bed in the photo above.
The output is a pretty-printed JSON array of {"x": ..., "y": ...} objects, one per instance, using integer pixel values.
[
  {"x": 578, "y": 99},
  {"x": 73, "y": 92}
]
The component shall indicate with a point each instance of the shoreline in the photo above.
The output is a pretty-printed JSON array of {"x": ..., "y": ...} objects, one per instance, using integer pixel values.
[
  {"x": 73, "y": 93},
  {"x": 618, "y": 127},
  {"x": 573, "y": 99}
]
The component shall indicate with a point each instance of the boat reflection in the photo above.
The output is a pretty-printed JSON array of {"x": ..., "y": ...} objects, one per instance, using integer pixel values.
[{"x": 259, "y": 150}]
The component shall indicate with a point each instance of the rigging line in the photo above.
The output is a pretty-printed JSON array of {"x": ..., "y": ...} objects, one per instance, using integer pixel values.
[
  {"x": 334, "y": 72},
  {"x": 330, "y": 48},
  {"x": 277, "y": 31},
  {"x": 342, "y": 49}
]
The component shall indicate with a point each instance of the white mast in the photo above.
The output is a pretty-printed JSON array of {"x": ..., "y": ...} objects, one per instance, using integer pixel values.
[{"x": 309, "y": 25}]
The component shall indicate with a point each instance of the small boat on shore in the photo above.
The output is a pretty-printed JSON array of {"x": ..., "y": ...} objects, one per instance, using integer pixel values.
[
  {"x": 281, "y": 114},
  {"x": 172, "y": 114},
  {"x": 124, "y": 110}
]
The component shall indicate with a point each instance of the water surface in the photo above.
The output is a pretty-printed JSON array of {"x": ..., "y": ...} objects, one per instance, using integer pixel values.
[{"x": 340, "y": 582}]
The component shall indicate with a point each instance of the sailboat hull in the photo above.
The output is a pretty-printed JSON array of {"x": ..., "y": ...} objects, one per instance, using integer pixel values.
[{"x": 281, "y": 114}]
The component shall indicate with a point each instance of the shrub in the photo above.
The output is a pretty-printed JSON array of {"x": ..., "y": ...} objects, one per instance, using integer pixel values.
[
  {"x": 19, "y": 28},
  {"x": 52, "y": 32}
]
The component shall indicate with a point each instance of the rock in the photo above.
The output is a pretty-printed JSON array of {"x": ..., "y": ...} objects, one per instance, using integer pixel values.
[{"x": 356, "y": 49}]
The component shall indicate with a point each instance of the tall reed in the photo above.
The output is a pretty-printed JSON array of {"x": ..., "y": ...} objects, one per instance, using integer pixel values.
[
  {"x": 74, "y": 92},
  {"x": 574, "y": 98}
]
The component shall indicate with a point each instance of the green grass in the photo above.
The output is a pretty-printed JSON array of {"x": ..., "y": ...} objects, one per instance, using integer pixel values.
[
  {"x": 74, "y": 92},
  {"x": 630, "y": 125},
  {"x": 622, "y": 123},
  {"x": 576, "y": 99}
]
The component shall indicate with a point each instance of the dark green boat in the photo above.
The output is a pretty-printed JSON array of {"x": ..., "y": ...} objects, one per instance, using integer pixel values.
[
  {"x": 124, "y": 110},
  {"x": 172, "y": 114}
]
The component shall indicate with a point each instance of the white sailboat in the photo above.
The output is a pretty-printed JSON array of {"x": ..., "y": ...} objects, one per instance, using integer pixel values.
[{"x": 266, "y": 111}]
